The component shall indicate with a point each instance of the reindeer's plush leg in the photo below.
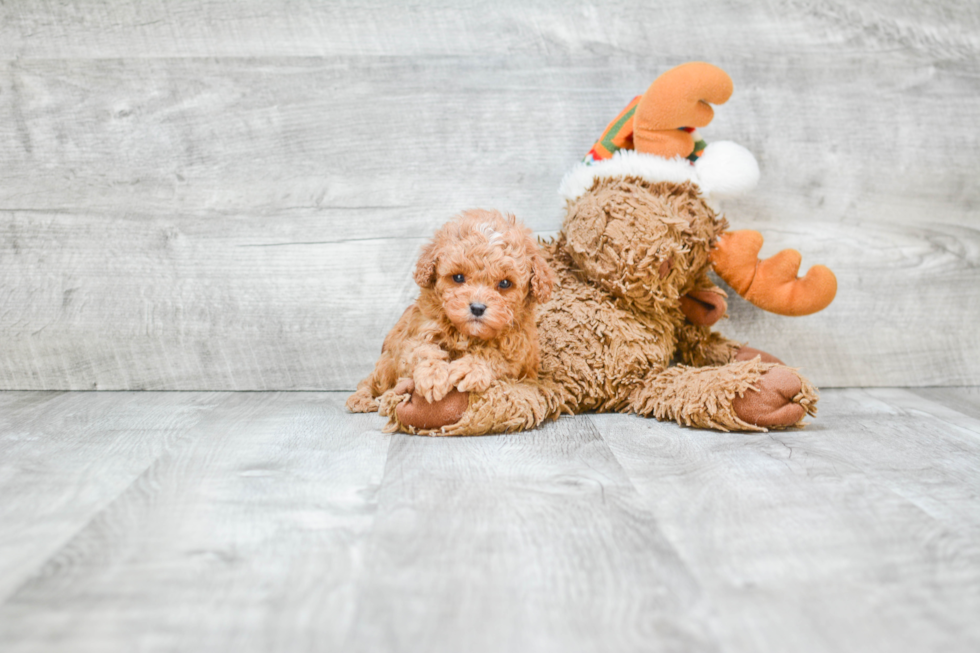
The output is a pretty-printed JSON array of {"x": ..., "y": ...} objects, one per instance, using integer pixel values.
[
  {"x": 507, "y": 406},
  {"x": 741, "y": 396},
  {"x": 698, "y": 346}
]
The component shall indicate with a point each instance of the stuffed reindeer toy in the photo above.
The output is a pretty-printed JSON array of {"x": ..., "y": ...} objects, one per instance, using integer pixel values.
[{"x": 628, "y": 326}]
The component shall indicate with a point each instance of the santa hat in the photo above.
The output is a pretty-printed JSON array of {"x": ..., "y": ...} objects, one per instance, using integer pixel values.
[{"x": 655, "y": 139}]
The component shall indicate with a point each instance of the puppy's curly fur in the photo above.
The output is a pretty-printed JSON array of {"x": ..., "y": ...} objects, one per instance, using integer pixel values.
[{"x": 481, "y": 278}]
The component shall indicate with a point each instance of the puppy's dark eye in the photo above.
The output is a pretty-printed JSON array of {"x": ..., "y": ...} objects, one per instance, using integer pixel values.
[
  {"x": 505, "y": 284},
  {"x": 458, "y": 278}
]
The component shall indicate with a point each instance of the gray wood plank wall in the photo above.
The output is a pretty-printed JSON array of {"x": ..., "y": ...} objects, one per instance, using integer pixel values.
[{"x": 230, "y": 195}]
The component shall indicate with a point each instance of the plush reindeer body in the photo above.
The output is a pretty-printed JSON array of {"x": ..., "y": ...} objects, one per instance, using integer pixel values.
[
  {"x": 629, "y": 252},
  {"x": 628, "y": 327},
  {"x": 616, "y": 334}
]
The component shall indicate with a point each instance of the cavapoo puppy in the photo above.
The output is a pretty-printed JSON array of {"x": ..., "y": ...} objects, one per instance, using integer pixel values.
[{"x": 481, "y": 278}]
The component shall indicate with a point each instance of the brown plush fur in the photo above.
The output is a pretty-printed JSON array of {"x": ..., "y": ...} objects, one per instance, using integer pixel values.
[
  {"x": 628, "y": 252},
  {"x": 481, "y": 278}
]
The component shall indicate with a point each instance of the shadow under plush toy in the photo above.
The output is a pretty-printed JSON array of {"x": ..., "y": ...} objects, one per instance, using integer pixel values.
[{"x": 633, "y": 294}]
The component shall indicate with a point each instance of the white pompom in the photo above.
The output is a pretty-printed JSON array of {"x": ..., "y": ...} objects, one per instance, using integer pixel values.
[{"x": 726, "y": 169}]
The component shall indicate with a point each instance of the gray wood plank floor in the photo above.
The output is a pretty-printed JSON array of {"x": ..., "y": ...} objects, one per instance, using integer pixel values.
[{"x": 142, "y": 521}]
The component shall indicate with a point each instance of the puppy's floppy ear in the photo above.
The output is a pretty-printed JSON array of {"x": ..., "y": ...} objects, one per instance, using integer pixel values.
[
  {"x": 425, "y": 268},
  {"x": 543, "y": 278}
]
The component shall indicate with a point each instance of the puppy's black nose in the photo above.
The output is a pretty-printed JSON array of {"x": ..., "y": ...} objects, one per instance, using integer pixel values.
[{"x": 477, "y": 309}]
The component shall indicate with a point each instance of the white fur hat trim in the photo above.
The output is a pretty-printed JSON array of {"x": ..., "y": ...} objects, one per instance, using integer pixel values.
[{"x": 725, "y": 169}]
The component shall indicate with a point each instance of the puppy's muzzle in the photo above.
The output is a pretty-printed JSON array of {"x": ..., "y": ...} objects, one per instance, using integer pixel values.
[{"x": 477, "y": 309}]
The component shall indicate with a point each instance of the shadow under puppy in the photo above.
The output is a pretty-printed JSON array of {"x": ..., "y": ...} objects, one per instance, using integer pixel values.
[{"x": 481, "y": 278}]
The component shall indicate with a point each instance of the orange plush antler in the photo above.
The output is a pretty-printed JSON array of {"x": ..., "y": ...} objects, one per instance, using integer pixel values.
[
  {"x": 678, "y": 98},
  {"x": 772, "y": 284}
]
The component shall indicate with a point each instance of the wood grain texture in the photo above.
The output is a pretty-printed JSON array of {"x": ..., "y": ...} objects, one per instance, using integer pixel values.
[
  {"x": 78, "y": 29},
  {"x": 965, "y": 400},
  {"x": 189, "y": 303},
  {"x": 145, "y": 148},
  {"x": 246, "y": 303},
  {"x": 532, "y": 542},
  {"x": 65, "y": 458},
  {"x": 863, "y": 528},
  {"x": 278, "y": 522},
  {"x": 246, "y": 535}
]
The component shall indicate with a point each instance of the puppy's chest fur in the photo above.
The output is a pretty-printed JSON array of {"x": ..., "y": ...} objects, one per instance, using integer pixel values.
[{"x": 456, "y": 344}]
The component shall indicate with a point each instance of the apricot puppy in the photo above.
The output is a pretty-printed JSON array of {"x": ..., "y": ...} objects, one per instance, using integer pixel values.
[{"x": 481, "y": 279}]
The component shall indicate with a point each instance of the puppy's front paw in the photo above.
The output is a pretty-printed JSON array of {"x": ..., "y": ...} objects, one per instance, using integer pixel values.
[
  {"x": 362, "y": 402},
  {"x": 470, "y": 375},
  {"x": 432, "y": 379}
]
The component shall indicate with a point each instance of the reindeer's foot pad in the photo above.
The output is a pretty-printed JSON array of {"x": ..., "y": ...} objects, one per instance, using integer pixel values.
[
  {"x": 742, "y": 396},
  {"x": 778, "y": 399},
  {"x": 422, "y": 415},
  {"x": 507, "y": 406},
  {"x": 362, "y": 402}
]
